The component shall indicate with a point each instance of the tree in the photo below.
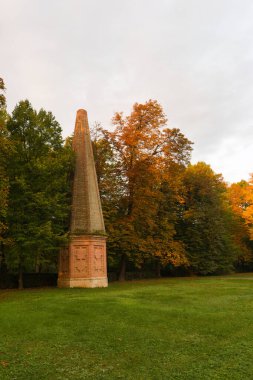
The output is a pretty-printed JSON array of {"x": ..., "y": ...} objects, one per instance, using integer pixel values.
[
  {"x": 5, "y": 151},
  {"x": 4, "y": 145},
  {"x": 39, "y": 187},
  {"x": 142, "y": 154},
  {"x": 240, "y": 196},
  {"x": 207, "y": 223}
]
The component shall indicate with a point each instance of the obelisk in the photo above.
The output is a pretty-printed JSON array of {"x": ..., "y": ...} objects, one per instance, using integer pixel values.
[{"x": 83, "y": 262}]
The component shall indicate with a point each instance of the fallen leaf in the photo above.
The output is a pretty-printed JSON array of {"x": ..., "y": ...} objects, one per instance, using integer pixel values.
[{"x": 4, "y": 363}]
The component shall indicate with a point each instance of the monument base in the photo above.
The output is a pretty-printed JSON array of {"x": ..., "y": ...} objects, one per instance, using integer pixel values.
[
  {"x": 83, "y": 263},
  {"x": 83, "y": 283}
]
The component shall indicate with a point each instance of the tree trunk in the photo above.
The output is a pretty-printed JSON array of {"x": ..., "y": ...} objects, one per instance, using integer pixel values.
[
  {"x": 37, "y": 263},
  {"x": 158, "y": 269},
  {"x": 122, "y": 268},
  {"x": 3, "y": 266},
  {"x": 20, "y": 273}
]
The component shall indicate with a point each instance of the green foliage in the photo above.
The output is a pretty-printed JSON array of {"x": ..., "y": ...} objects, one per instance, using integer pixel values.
[
  {"x": 206, "y": 222},
  {"x": 6, "y": 148},
  {"x": 39, "y": 199}
]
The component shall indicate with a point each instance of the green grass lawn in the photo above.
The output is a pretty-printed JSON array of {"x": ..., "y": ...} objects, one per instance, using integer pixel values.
[{"x": 184, "y": 328}]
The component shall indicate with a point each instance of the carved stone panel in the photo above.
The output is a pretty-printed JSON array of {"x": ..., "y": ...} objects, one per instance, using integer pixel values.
[
  {"x": 81, "y": 261},
  {"x": 98, "y": 261}
]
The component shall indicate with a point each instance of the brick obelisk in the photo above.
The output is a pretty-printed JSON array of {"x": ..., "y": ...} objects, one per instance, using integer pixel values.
[{"x": 83, "y": 263}]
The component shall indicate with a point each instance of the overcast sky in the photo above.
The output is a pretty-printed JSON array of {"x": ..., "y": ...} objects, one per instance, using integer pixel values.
[{"x": 195, "y": 57}]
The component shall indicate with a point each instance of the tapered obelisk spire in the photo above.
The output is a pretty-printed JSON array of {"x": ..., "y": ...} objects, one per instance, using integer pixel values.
[
  {"x": 86, "y": 216},
  {"x": 83, "y": 262}
]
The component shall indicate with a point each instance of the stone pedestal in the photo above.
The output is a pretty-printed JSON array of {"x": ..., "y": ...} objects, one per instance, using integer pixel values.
[{"x": 83, "y": 263}]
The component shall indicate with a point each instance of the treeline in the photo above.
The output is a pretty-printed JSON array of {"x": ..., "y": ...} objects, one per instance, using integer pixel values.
[
  {"x": 35, "y": 167},
  {"x": 161, "y": 212}
]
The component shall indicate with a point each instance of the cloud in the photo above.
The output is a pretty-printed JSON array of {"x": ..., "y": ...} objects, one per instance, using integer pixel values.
[{"x": 194, "y": 57}]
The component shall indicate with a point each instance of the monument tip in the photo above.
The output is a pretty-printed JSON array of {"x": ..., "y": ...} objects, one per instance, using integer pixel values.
[{"x": 81, "y": 112}]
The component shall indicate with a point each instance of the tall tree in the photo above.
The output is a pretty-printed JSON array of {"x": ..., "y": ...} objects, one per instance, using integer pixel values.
[
  {"x": 5, "y": 151},
  {"x": 144, "y": 155},
  {"x": 206, "y": 225},
  {"x": 39, "y": 187},
  {"x": 240, "y": 196},
  {"x": 4, "y": 147}
]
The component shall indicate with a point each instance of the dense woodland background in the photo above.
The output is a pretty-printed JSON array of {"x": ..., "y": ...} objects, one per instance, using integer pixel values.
[{"x": 163, "y": 215}]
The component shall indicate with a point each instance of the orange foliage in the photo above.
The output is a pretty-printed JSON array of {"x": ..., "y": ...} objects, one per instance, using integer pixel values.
[
  {"x": 241, "y": 199},
  {"x": 148, "y": 155}
]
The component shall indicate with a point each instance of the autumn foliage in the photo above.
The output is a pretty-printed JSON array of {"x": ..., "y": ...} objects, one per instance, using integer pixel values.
[{"x": 162, "y": 213}]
